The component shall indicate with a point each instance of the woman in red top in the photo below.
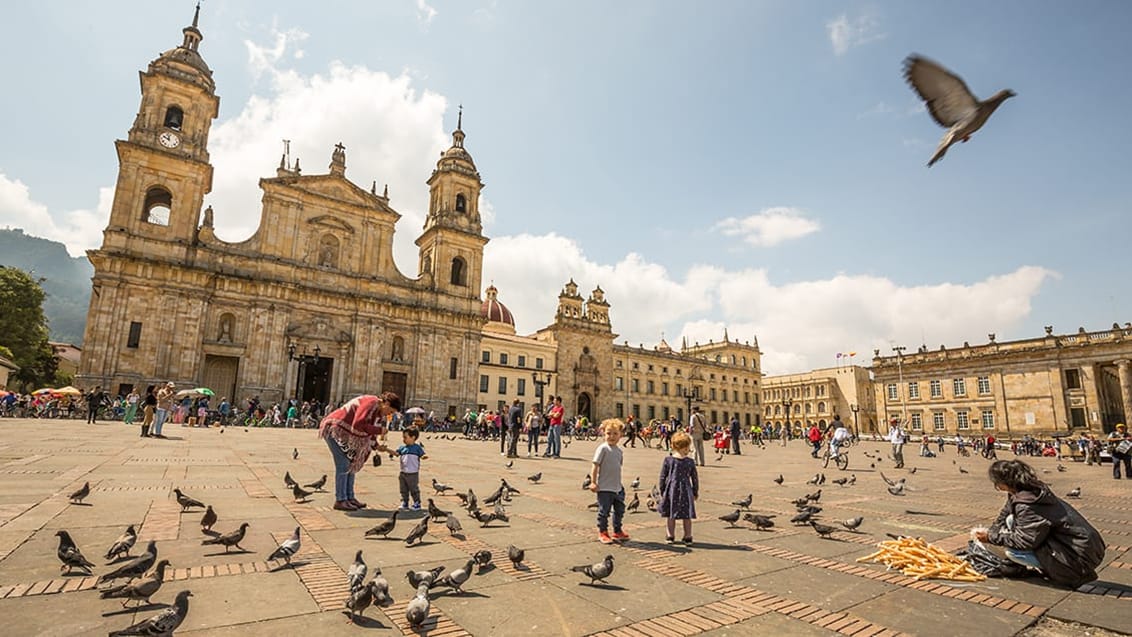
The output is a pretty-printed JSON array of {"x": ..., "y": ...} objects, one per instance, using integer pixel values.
[{"x": 351, "y": 432}]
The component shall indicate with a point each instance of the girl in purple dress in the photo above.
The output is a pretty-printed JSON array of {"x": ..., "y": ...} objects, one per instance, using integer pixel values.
[{"x": 679, "y": 487}]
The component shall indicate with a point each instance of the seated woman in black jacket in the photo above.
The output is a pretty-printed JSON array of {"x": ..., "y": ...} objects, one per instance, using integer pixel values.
[{"x": 1040, "y": 530}]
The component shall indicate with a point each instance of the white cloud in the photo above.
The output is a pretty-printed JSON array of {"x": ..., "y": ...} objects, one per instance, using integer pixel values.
[
  {"x": 880, "y": 108},
  {"x": 425, "y": 13},
  {"x": 79, "y": 229},
  {"x": 769, "y": 227},
  {"x": 262, "y": 58},
  {"x": 845, "y": 34}
]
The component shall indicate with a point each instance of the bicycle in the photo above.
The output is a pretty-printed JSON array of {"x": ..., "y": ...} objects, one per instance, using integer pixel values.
[{"x": 842, "y": 459}]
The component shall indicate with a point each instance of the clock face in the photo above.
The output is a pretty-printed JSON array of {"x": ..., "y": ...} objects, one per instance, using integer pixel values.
[{"x": 169, "y": 140}]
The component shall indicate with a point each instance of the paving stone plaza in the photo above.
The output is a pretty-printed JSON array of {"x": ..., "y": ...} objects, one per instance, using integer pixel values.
[{"x": 733, "y": 581}]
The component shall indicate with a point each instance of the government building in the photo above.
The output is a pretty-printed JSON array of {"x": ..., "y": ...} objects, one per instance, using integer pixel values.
[{"x": 312, "y": 306}]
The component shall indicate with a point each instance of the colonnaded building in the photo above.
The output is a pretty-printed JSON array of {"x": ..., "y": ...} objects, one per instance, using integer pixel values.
[{"x": 312, "y": 305}]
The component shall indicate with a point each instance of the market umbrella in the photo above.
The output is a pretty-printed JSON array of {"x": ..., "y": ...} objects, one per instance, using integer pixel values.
[
  {"x": 45, "y": 390},
  {"x": 69, "y": 391},
  {"x": 204, "y": 391},
  {"x": 186, "y": 393},
  {"x": 415, "y": 410}
]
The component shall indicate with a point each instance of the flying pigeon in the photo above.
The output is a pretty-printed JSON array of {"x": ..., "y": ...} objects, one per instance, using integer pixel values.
[
  {"x": 385, "y": 528},
  {"x": 434, "y": 511},
  {"x": 288, "y": 548},
  {"x": 823, "y": 530},
  {"x": 535, "y": 478},
  {"x": 359, "y": 600},
  {"x": 140, "y": 589},
  {"x": 897, "y": 490},
  {"x": 596, "y": 572},
  {"x": 891, "y": 483},
  {"x": 186, "y": 502},
  {"x": 78, "y": 496},
  {"x": 208, "y": 519},
  {"x": 288, "y": 480},
  {"x": 779, "y": 480},
  {"x": 516, "y": 555},
  {"x": 417, "y": 611},
  {"x": 317, "y": 484},
  {"x": 418, "y": 531},
  {"x": 852, "y": 523},
  {"x": 453, "y": 525},
  {"x": 440, "y": 488},
  {"x": 482, "y": 558},
  {"x": 416, "y": 578},
  {"x": 135, "y": 567},
  {"x": 123, "y": 544},
  {"x": 1075, "y": 493},
  {"x": 229, "y": 540},
  {"x": 357, "y": 573},
  {"x": 163, "y": 623},
  {"x": 731, "y": 518},
  {"x": 745, "y": 503},
  {"x": 949, "y": 101},
  {"x": 455, "y": 579},
  {"x": 70, "y": 555},
  {"x": 761, "y": 522}
]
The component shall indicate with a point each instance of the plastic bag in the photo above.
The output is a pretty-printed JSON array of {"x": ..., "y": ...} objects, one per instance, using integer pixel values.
[{"x": 989, "y": 563}]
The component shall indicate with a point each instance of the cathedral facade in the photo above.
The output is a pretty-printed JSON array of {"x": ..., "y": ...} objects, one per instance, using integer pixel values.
[{"x": 311, "y": 306}]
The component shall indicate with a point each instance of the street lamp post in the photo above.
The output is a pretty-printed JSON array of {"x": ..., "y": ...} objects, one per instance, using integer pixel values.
[
  {"x": 899, "y": 349},
  {"x": 689, "y": 395},
  {"x": 304, "y": 360},
  {"x": 855, "y": 408},
  {"x": 788, "y": 431},
  {"x": 540, "y": 380}
]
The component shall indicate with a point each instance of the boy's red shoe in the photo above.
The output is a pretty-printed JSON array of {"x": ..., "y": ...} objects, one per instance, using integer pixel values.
[
  {"x": 604, "y": 538},
  {"x": 620, "y": 536}
]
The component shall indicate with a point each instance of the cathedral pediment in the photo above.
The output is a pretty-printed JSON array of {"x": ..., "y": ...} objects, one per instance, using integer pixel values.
[
  {"x": 330, "y": 221},
  {"x": 332, "y": 187},
  {"x": 317, "y": 329}
]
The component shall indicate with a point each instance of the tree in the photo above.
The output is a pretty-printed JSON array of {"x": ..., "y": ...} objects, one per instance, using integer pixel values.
[{"x": 23, "y": 328}]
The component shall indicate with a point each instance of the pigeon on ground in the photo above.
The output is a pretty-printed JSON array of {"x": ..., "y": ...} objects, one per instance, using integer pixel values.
[
  {"x": 840, "y": 481},
  {"x": 592, "y": 505},
  {"x": 140, "y": 589},
  {"x": 853, "y": 478},
  {"x": 482, "y": 558},
  {"x": 510, "y": 463},
  {"x": 1061, "y": 467},
  {"x": 494, "y": 497},
  {"x": 228, "y": 540},
  {"x": 288, "y": 548},
  {"x": 455, "y": 579},
  {"x": 802, "y": 518},
  {"x": 78, "y": 496},
  {"x": 1075, "y": 493},
  {"x": 897, "y": 490},
  {"x": 800, "y": 502},
  {"x": 416, "y": 578},
  {"x": 814, "y": 480},
  {"x": 463, "y": 499},
  {"x": 186, "y": 502},
  {"x": 852, "y": 523},
  {"x": 357, "y": 573},
  {"x": 823, "y": 530},
  {"x": 70, "y": 555},
  {"x": 359, "y": 600},
  {"x": 487, "y": 518},
  {"x": 731, "y": 518},
  {"x": 516, "y": 555},
  {"x": 472, "y": 501},
  {"x": 597, "y": 572},
  {"x": 507, "y": 487},
  {"x": 535, "y": 478},
  {"x": 949, "y": 101},
  {"x": 650, "y": 503},
  {"x": 821, "y": 479},
  {"x": 761, "y": 522},
  {"x": 912, "y": 471},
  {"x": 453, "y": 525},
  {"x": 779, "y": 480},
  {"x": 499, "y": 511},
  {"x": 745, "y": 503},
  {"x": 891, "y": 483},
  {"x": 418, "y": 531},
  {"x": 385, "y": 528},
  {"x": 135, "y": 567},
  {"x": 962, "y": 470},
  {"x": 434, "y": 511},
  {"x": 809, "y": 508},
  {"x": 814, "y": 497},
  {"x": 299, "y": 494},
  {"x": 289, "y": 481},
  {"x": 635, "y": 483},
  {"x": 416, "y": 613},
  {"x": 381, "y": 596},
  {"x": 208, "y": 519},
  {"x": 163, "y": 623},
  {"x": 295, "y": 453},
  {"x": 635, "y": 504},
  {"x": 123, "y": 544},
  {"x": 586, "y": 483},
  {"x": 317, "y": 484},
  {"x": 440, "y": 488}
]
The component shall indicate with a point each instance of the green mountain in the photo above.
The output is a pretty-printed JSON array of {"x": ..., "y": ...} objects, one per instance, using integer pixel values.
[{"x": 66, "y": 280}]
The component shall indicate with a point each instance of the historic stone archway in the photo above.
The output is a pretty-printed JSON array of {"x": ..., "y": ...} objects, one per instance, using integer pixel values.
[{"x": 585, "y": 404}]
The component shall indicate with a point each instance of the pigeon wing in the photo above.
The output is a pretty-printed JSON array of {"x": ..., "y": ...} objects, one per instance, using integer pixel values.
[{"x": 945, "y": 94}]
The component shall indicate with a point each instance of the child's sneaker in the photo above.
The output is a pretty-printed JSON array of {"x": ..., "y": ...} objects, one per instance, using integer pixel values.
[
  {"x": 604, "y": 538},
  {"x": 416, "y": 506},
  {"x": 404, "y": 505},
  {"x": 620, "y": 536}
]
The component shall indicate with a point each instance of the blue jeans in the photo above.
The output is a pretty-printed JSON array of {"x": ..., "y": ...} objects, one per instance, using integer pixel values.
[
  {"x": 1025, "y": 558},
  {"x": 159, "y": 420},
  {"x": 532, "y": 439},
  {"x": 554, "y": 440},
  {"x": 605, "y": 501},
  {"x": 343, "y": 478}
]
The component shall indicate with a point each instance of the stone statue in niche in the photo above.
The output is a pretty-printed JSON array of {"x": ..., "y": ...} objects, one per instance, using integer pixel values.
[
  {"x": 328, "y": 251},
  {"x": 397, "y": 352},
  {"x": 227, "y": 326}
]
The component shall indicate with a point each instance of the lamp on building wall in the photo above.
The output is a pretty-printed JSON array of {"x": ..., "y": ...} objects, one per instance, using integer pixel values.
[{"x": 540, "y": 380}]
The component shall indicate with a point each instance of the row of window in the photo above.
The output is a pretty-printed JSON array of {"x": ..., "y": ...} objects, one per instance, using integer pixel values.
[
  {"x": 664, "y": 412},
  {"x": 963, "y": 420},
  {"x": 793, "y": 392},
  {"x": 505, "y": 359},
  {"x": 651, "y": 389},
  {"x": 520, "y": 385},
  {"x": 935, "y": 388},
  {"x": 650, "y": 368},
  {"x": 798, "y": 409}
]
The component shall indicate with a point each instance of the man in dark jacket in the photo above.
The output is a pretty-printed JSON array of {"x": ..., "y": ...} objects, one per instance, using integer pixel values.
[
  {"x": 735, "y": 434},
  {"x": 1040, "y": 530},
  {"x": 515, "y": 420},
  {"x": 94, "y": 402}
]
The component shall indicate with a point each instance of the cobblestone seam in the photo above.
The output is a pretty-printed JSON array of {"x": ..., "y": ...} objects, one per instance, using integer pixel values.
[{"x": 162, "y": 521}]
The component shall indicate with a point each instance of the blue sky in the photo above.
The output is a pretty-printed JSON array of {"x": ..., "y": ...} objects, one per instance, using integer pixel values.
[{"x": 758, "y": 166}]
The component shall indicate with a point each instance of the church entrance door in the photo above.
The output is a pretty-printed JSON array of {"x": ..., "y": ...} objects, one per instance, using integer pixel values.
[
  {"x": 220, "y": 376},
  {"x": 584, "y": 406},
  {"x": 314, "y": 380},
  {"x": 395, "y": 382}
]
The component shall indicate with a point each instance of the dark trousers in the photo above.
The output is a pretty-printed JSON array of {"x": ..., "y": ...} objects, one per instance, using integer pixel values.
[
  {"x": 735, "y": 443},
  {"x": 410, "y": 486},
  {"x": 513, "y": 448},
  {"x": 1118, "y": 459},
  {"x": 91, "y": 414},
  {"x": 607, "y": 500}
]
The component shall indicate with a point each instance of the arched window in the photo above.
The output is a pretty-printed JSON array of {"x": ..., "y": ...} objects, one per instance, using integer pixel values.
[
  {"x": 174, "y": 117},
  {"x": 821, "y": 407},
  {"x": 158, "y": 203},
  {"x": 328, "y": 251},
  {"x": 808, "y": 407},
  {"x": 459, "y": 272},
  {"x": 397, "y": 352},
  {"x": 732, "y": 359},
  {"x": 461, "y": 204}
]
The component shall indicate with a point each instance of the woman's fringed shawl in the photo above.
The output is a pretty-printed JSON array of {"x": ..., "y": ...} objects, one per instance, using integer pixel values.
[{"x": 351, "y": 426}]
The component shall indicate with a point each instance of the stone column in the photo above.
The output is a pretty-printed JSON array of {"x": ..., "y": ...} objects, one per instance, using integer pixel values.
[{"x": 1124, "y": 372}]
